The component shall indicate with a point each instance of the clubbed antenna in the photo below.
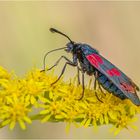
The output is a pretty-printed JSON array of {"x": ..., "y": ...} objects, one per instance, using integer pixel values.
[{"x": 53, "y": 30}]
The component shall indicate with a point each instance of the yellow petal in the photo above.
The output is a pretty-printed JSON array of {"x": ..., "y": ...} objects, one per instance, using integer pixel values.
[
  {"x": 33, "y": 100},
  {"x": 51, "y": 95},
  {"x": 112, "y": 115},
  {"x": 87, "y": 122},
  {"x": 22, "y": 124},
  {"x": 134, "y": 127},
  {"x": 44, "y": 100},
  {"x": 101, "y": 119},
  {"x": 5, "y": 122},
  {"x": 45, "y": 119},
  {"x": 80, "y": 116},
  {"x": 27, "y": 119},
  {"x": 44, "y": 112},
  {"x": 117, "y": 131},
  {"x": 59, "y": 117},
  {"x": 12, "y": 125},
  {"x": 68, "y": 127},
  {"x": 27, "y": 98},
  {"x": 106, "y": 119},
  {"x": 83, "y": 122}
]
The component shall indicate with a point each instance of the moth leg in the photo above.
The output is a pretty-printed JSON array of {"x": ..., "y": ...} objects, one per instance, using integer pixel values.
[
  {"x": 57, "y": 62},
  {"x": 95, "y": 82},
  {"x": 83, "y": 86},
  {"x": 78, "y": 75},
  {"x": 63, "y": 70}
]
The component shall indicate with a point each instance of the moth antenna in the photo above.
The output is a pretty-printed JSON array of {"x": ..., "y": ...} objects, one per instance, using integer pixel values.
[
  {"x": 53, "y": 30},
  {"x": 44, "y": 59}
]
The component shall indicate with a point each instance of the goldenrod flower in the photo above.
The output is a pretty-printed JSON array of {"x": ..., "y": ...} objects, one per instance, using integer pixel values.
[
  {"x": 4, "y": 73},
  {"x": 16, "y": 110},
  {"x": 58, "y": 103}
]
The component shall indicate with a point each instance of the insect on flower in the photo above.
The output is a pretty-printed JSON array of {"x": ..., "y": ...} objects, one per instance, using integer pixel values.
[{"x": 91, "y": 62}]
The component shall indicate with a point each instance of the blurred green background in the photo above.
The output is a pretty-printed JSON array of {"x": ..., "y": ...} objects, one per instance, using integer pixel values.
[{"x": 113, "y": 28}]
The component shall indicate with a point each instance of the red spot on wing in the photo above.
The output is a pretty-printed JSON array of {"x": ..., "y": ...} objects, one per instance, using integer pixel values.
[
  {"x": 127, "y": 87},
  {"x": 94, "y": 59},
  {"x": 113, "y": 72}
]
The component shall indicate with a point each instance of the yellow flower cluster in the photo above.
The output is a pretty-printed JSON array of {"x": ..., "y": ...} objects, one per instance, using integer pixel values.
[{"x": 19, "y": 96}]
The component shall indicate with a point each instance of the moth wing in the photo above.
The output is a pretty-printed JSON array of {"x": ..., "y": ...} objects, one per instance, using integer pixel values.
[{"x": 125, "y": 84}]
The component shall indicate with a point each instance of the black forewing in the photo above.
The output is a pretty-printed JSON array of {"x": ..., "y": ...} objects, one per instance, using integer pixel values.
[{"x": 105, "y": 66}]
